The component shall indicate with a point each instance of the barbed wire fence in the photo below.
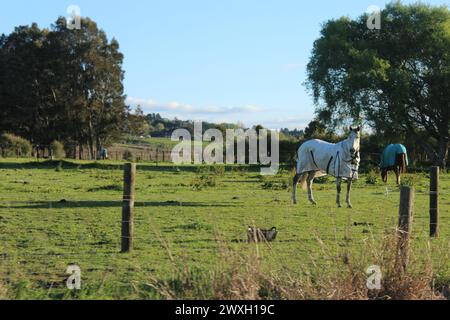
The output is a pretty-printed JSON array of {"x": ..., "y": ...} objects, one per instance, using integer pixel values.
[{"x": 96, "y": 253}]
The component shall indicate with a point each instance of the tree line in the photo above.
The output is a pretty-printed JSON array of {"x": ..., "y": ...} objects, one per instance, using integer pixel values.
[
  {"x": 66, "y": 85},
  {"x": 61, "y": 84},
  {"x": 395, "y": 80}
]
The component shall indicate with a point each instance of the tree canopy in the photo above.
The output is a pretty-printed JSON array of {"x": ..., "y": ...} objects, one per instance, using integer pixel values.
[
  {"x": 61, "y": 84},
  {"x": 396, "y": 79}
]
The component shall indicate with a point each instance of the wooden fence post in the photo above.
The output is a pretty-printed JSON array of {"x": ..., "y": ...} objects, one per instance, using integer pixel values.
[
  {"x": 128, "y": 206},
  {"x": 434, "y": 202},
  {"x": 405, "y": 225}
]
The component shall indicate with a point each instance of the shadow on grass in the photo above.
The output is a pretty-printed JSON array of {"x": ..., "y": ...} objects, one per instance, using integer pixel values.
[
  {"x": 143, "y": 166},
  {"x": 65, "y": 164},
  {"x": 103, "y": 204}
]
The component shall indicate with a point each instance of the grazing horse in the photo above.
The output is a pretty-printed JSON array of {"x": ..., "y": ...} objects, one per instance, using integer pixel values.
[
  {"x": 394, "y": 158},
  {"x": 318, "y": 158}
]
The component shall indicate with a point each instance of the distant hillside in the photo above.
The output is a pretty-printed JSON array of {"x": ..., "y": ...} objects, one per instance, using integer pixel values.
[{"x": 163, "y": 127}]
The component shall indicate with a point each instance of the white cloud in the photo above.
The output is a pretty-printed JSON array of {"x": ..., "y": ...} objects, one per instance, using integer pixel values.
[
  {"x": 288, "y": 122},
  {"x": 153, "y": 106},
  {"x": 244, "y": 109},
  {"x": 250, "y": 115}
]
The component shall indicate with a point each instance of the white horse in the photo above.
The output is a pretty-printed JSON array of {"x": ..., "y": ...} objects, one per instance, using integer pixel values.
[{"x": 318, "y": 158}]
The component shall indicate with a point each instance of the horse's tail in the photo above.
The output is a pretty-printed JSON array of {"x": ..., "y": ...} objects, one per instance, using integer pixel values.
[{"x": 402, "y": 164}]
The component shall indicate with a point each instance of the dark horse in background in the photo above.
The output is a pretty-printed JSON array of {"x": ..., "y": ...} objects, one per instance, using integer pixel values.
[{"x": 394, "y": 158}]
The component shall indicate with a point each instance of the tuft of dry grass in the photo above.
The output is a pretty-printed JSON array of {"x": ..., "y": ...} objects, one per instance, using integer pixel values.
[
  {"x": 245, "y": 276},
  {"x": 3, "y": 292}
]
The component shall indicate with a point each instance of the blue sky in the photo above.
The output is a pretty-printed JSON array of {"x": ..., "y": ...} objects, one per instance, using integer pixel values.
[{"x": 221, "y": 61}]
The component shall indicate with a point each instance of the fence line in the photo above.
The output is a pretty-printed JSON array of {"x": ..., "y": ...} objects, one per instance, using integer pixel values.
[
  {"x": 120, "y": 154},
  {"x": 404, "y": 226}
]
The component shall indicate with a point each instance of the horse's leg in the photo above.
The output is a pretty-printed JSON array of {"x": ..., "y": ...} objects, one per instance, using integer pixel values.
[
  {"x": 294, "y": 190},
  {"x": 349, "y": 188},
  {"x": 339, "y": 189},
  {"x": 309, "y": 182},
  {"x": 397, "y": 174}
]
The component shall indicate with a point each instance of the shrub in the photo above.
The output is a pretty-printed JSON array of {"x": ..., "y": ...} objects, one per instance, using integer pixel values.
[
  {"x": 203, "y": 181},
  {"x": 57, "y": 150},
  {"x": 372, "y": 177},
  {"x": 275, "y": 185},
  {"x": 201, "y": 170},
  {"x": 409, "y": 181},
  {"x": 128, "y": 156},
  {"x": 322, "y": 180},
  {"x": 219, "y": 170},
  {"x": 240, "y": 169},
  {"x": 14, "y": 146}
]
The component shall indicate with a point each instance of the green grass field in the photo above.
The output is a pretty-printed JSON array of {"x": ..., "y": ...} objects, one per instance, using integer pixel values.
[{"x": 52, "y": 217}]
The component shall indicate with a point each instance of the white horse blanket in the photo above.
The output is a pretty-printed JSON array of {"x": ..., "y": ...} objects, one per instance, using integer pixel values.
[{"x": 326, "y": 159}]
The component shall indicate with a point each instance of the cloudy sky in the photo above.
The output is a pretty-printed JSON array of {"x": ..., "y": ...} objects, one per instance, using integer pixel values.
[{"x": 221, "y": 61}]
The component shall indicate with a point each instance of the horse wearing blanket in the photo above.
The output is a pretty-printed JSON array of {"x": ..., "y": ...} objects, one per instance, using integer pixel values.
[
  {"x": 394, "y": 158},
  {"x": 317, "y": 158}
]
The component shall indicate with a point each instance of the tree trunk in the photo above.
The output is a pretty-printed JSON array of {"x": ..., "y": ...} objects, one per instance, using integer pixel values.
[
  {"x": 91, "y": 142},
  {"x": 80, "y": 151},
  {"x": 441, "y": 159},
  {"x": 99, "y": 147}
]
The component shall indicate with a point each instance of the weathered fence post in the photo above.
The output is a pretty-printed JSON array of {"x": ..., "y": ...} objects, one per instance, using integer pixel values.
[
  {"x": 128, "y": 206},
  {"x": 405, "y": 225},
  {"x": 434, "y": 202}
]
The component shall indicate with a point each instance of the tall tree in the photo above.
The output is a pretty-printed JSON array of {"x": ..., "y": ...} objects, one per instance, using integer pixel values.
[
  {"x": 62, "y": 84},
  {"x": 26, "y": 95},
  {"x": 96, "y": 80},
  {"x": 397, "y": 78}
]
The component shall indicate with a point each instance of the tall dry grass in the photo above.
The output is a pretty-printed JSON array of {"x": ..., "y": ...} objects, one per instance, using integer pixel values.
[
  {"x": 246, "y": 276},
  {"x": 3, "y": 292}
]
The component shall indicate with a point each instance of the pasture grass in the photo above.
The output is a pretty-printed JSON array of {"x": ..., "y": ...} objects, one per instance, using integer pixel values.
[{"x": 190, "y": 228}]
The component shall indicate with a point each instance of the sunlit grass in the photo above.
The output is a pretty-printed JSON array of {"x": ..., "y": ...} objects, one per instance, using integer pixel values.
[{"x": 50, "y": 219}]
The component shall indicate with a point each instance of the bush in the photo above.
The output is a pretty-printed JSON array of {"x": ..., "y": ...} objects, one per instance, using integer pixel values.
[
  {"x": 203, "y": 181},
  {"x": 275, "y": 185},
  {"x": 200, "y": 170},
  {"x": 372, "y": 177},
  {"x": 409, "y": 181},
  {"x": 14, "y": 146},
  {"x": 219, "y": 170},
  {"x": 128, "y": 156},
  {"x": 57, "y": 150},
  {"x": 322, "y": 180}
]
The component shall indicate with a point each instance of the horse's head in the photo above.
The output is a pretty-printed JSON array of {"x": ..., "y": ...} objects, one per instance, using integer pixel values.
[{"x": 354, "y": 144}]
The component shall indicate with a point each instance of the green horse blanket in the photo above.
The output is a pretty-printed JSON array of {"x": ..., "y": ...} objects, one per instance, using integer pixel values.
[{"x": 390, "y": 155}]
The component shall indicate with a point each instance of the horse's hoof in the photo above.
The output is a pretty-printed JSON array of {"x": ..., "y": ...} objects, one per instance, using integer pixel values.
[
  {"x": 339, "y": 206},
  {"x": 350, "y": 206},
  {"x": 314, "y": 203}
]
